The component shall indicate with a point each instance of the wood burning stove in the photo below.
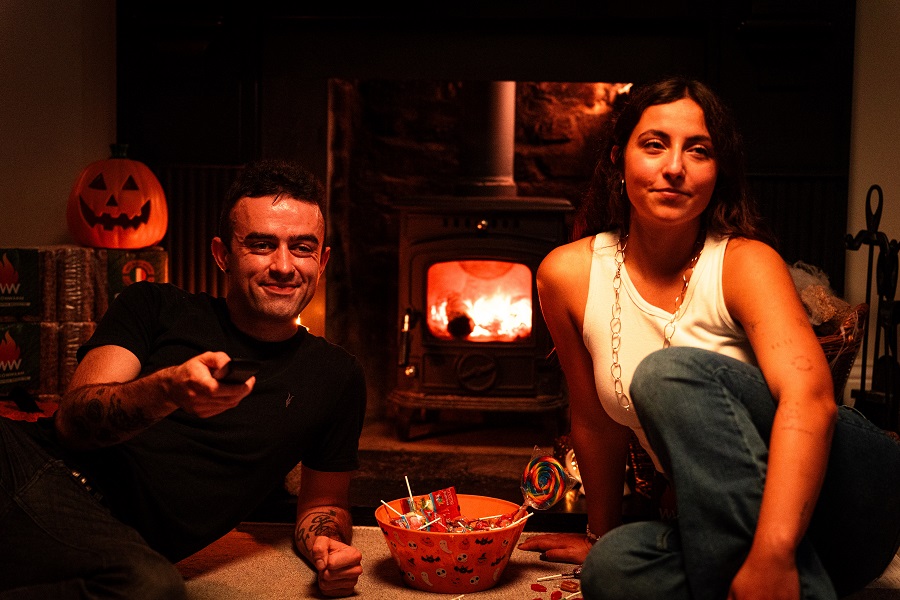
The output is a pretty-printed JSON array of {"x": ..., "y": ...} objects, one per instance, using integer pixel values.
[{"x": 472, "y": 335}]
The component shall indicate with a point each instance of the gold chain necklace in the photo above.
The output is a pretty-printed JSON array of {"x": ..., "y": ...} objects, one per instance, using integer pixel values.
[{"x": 615, "y": 324}]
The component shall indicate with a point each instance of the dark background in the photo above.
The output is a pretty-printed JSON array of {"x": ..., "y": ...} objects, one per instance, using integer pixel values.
[
  {"x": 218, "y": 83},
  {"x": 197, "y": 83},
  {"x": 214, "y": 85}
]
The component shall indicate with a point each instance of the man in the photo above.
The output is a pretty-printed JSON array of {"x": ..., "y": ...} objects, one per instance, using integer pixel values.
[{"x": 151, "y": 456}]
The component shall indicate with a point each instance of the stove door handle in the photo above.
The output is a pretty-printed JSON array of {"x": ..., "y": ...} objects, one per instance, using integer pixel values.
[{"x": 408, "y": 323}]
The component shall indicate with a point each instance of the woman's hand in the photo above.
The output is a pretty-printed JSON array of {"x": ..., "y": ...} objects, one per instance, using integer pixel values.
[
  {"x": 559, "y": 547},
  {"x": 766, "y": 579}
]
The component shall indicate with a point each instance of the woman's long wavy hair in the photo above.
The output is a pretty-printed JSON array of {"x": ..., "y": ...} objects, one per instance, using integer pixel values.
[{"x": 731, "y": 211}]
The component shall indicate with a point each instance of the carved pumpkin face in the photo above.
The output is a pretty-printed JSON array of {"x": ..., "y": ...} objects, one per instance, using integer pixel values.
[{"x": 117, "y": 203}]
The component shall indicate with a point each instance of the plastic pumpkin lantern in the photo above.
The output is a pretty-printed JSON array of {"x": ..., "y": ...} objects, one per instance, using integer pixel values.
[{"x": 117, "y": 203}]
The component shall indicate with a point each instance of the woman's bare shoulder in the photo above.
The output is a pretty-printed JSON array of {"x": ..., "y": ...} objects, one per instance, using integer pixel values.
[
  {"x": 755, "y": 278},
  {"x": 751, "y": 259},
  {"x": 563, "y": 263},
  {"x": 746, "y": 248}
]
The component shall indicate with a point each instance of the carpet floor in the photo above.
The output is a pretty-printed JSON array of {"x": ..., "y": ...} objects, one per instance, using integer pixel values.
[{"x": 256, "y": 561}]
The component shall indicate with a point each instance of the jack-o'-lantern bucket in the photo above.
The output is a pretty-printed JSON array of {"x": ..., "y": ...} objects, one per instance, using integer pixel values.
[{"x": 452, "y": 563}]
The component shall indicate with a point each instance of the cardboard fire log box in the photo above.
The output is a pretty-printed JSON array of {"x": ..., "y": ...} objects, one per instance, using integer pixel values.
[
  {"x": 117, "y": 269},
  {"x": 28, "y": 284},
  {"x": 50, "y": 300},
  {"x": 29, "y": 358}
]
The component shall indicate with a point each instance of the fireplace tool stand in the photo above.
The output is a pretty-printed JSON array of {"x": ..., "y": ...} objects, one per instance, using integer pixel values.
[{"x": 880, "y": 403}]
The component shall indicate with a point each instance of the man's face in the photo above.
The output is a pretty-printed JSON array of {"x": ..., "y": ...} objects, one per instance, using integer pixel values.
[{"x": 274, "y": 264}]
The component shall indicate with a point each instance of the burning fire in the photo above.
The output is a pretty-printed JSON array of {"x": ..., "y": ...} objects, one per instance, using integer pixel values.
[{"x": 479, "y": 300}]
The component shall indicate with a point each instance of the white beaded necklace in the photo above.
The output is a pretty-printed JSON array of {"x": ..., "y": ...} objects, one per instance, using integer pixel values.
[{"x": 615, "y": 324}]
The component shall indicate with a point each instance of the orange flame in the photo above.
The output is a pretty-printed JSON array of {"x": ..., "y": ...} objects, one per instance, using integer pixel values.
[{"x": 480, "y": 301}]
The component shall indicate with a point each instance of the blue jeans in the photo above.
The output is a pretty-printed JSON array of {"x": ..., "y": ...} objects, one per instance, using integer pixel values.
[
  {"x": 58, "y": 541},
  {"x": 709, "y": 417}
]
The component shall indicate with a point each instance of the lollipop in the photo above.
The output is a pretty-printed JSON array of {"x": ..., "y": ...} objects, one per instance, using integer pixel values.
[{"x": 545, "y": 481}]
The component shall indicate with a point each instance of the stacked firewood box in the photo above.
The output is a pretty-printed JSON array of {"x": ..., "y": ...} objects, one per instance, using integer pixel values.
[{"x": 51, "y": 298}]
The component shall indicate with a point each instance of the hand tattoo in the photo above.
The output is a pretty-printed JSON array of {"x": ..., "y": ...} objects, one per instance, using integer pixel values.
[{"x": 316, "y": 524}]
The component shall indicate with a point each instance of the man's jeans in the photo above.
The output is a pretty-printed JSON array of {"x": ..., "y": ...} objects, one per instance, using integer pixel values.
[
  {"x": 58, "y": 541},
  {"x": 709, "y": 418}
]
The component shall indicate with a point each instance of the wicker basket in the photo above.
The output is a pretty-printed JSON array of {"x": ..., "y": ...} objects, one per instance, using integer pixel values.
[{"x": 842, "y": 347}]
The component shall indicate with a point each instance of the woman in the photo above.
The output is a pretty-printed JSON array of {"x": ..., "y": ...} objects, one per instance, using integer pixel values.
[{"x": 674, "y": 317}]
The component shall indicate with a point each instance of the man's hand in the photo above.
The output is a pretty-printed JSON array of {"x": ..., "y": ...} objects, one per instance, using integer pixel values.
[
  {"x": 339, "y": 566},
  {"x": 194, "y": 386},
  {"x": 324, "y": 530}
]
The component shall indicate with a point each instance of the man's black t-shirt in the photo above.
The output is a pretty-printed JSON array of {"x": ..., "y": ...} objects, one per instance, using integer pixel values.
[{"x": 186, "y": 481}]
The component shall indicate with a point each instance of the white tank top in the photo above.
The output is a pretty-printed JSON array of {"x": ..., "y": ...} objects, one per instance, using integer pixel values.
[{"x": 704, "y": 322}]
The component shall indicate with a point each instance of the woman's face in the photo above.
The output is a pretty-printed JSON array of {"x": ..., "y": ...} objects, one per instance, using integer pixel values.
[{"x": 670, "y": 164}]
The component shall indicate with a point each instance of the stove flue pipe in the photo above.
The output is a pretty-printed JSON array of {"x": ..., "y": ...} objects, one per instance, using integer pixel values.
[{"x": 487, "y": 145}]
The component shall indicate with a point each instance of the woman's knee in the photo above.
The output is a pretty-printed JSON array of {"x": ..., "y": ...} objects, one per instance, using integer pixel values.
[
  {"x": 670, "y": 366},
  {"x": 631, "y": 556},
  {"x": 664, "y": 380},
  {"x": 672, "y": 380},
  {"x": 602, "y": 570}
]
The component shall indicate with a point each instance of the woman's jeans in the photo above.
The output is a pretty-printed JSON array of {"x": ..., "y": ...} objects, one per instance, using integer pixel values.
[
  {"x": 709, "y": 418},
  {"x": 58, "y": 541}
]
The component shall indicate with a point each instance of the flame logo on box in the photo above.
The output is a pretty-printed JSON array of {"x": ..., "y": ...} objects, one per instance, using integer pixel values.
[
  {"x": 10, "y": 356},
  {"x": 9, "y": 277}
]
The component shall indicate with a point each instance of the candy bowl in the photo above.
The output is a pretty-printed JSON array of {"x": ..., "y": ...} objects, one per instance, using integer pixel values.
[{"x": 452, "y": 563}]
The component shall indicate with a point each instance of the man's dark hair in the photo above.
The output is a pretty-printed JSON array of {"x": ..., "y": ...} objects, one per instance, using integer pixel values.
[{"x": 270, "y": 177}]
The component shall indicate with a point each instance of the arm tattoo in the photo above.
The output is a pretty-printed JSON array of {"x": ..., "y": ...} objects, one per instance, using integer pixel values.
[
  {"x": 792, "y": 419},
  {"x": 315, "y": 524},
  {"x": 801, "y": 363},
  {"x": 97, "y": 412},
  {"x": 780, "y": 343}
]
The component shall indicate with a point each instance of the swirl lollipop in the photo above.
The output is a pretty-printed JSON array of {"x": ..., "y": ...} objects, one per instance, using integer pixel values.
[{"x": 545, "y": 481}]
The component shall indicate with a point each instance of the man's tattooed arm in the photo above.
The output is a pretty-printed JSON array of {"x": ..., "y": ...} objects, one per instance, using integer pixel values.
[
  {"x": 110, "y": 401},
  {"x": 329, "y": 521},
  {"x": 105, "y": 414},
  {"x": 100, "y": 414}
]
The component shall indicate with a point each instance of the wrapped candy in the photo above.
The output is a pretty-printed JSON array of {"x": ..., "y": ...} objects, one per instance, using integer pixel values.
[
  {"x": 439, "y": 511},
  {"x": 441, "y": 502}
]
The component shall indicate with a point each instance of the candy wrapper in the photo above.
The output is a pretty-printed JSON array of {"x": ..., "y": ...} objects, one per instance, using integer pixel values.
[
  {"x": 545, "y": 480},
  {"x": 442, "y": 502},
  {"x": 432, "y": 512}
]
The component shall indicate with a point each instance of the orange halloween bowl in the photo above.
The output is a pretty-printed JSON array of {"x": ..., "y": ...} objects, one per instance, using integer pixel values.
[{"x": 452, "y": 563}]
